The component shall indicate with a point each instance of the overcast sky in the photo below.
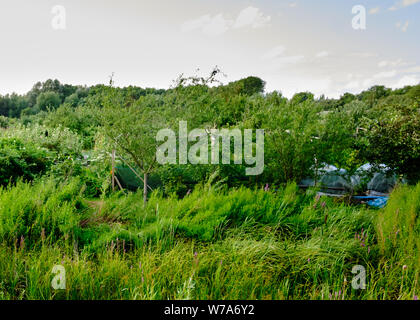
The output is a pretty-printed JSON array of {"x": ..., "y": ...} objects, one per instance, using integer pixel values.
[{"x": 294, "y": 45}]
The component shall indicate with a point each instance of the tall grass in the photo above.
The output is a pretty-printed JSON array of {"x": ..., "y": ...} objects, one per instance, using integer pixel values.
[
  {"x": 398, "y": 229},
  {"x": 212, "y": 244},
  {"x": 40, "y": 212}
]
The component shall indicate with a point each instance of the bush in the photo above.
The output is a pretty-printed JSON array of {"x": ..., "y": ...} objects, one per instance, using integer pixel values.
[
  {"x": 59, "y": 140},
  {"x": 21, "y": 159},
  {"x": 80, "y": 120}
]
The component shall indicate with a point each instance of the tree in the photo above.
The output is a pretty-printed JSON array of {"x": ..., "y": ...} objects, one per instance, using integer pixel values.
[
  {"x": 291, "y": 132},
  {"x": 374, "y": 93},
  {"x": 346, "y": 98},
  {"x": 392, "y": 137},
  {"x": 302, "y": 97},
  {"x": 4, "y": 106},
  {"x": 132, "y": 126},
  {"x": 414, "y": 92},
  {"x": 12, "y": 105},
  {"x": 251, "y": 85},
  {"x": 47, "y": 100},
  {"x": 247, "y": 87}
]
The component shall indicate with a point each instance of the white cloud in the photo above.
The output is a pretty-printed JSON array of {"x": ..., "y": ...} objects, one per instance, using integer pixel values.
[
  {"x": 386, "y": 74},
  {"x": 352, "y": 85},
  {"x": 405, "y": 27},
  {"x": 403, "y": 4},
  {"x": 281, "y": 61},
  {"x": 411, "y": 80},
  {"x": 402, "y": 27},
  {"x": 291, "y": 84},
  {"x": 367, "y": 83},
  {"x": 363, "y": 54},
  {"x": 207, "y": 24},
  {"x": 391, "y": 79},
  {"x": 374, "y": 10},
  {"x": 252, "y": 17},
  {"x": 322, "y": 54},
  {"x": 395, "y": 63},
  {"x": 293, "y": 4},
  {"x": 407, "y": 3},
  {"x": 382, "y": 64},
  {"x": 277, "y": 57},
  {"x": 415, "y": 69},
  {"x": 274, "y": 53},
  {"x": 218, "y": 24}
]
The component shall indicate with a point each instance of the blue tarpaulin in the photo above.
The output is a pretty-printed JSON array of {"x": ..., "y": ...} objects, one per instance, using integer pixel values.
[{"x": 378, "y": 202}]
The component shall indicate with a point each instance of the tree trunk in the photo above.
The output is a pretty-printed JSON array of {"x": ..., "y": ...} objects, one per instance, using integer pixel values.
[
  {"x": 113, "y": 170},
  {"x": 145, "y": 189}
]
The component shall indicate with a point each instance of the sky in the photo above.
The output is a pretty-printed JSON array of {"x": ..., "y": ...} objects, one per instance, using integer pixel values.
[{"x": 293, "y": 45}]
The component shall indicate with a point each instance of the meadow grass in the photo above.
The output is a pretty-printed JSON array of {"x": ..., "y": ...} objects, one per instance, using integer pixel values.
[{"x": 212, "y": 244}]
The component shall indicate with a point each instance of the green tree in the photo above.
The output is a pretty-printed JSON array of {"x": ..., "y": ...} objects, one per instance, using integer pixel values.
[
  {"x": 47, "y": 100},
  {"x": 291, "y": 139},
  {"x": 392, "y": 137},
  {"x": 132, "y": 126},
  {"x": 248, "y": 86},
  {"x": 302, "y": 97}
]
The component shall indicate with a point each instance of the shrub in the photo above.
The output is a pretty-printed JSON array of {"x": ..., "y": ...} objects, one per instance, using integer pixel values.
[
  {"x": 59, "y": 140},
  {"x": 21, "y": 159}
]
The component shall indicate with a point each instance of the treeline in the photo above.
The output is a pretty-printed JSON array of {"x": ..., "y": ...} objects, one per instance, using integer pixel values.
[{"x": 51, "y": 94}]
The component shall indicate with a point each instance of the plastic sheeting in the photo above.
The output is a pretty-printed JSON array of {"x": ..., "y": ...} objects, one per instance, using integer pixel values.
[
  {"x": 381, "y": 182},
  {"x": 377, "y": 179},
  {"x": 335, "y": 183}
]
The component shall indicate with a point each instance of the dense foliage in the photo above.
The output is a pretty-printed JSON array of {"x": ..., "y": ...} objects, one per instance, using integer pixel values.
[
  {"x": 206, "y": 231},
  {"x": 380, "y": 125}
]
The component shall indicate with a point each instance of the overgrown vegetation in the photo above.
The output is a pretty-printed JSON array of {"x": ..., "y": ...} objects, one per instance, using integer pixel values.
[
  {"x": 212, "y": 244},
  {"x": 206, "y": 231}
]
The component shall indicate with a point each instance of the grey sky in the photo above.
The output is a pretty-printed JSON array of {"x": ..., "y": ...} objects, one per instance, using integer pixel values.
[{"x": 293, "y": 45}]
